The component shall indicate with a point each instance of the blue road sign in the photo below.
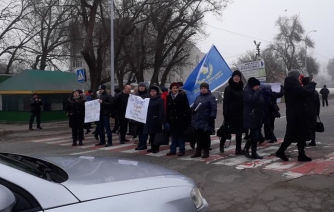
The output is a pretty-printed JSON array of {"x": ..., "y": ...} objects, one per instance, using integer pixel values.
[{"x": 81, "y": 75}]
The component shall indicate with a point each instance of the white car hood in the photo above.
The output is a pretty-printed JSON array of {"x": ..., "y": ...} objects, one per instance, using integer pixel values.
[{"x": 96, "y": 177}]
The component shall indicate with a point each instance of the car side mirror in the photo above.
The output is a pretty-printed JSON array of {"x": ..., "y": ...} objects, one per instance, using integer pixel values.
[{"x": 7, "y": 200}]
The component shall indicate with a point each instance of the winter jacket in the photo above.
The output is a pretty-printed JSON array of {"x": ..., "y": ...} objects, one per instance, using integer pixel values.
[
  {"x": 273, "y": 101},
  {"x": 233, "y": 106},
  {"x": 204, "y": 117},
  {"x": 297, "y": 113},
  {"x": 75, "y": 110},
  {"x": 164, "y": 97},
  {"x": 121, "y": 102},
  {"x": 253, "y": 108},
  {"x": 35, "y": 105},
  {"x": 324, "y": 92},
  {"x": 155, "y": 115},
  {"x": 106, "y": 105},
  {"x": 266, "y": 94},
  {"x": 178, "y": 113},
  {"x": 313, "y": 106}
]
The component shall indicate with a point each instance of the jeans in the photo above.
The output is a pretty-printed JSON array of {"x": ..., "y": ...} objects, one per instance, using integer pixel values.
[
  {"x": 105, "y": 124},
  {"x": 177, "y": 141}
]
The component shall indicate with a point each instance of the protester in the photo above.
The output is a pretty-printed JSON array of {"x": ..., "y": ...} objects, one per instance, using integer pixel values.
[
  {"x": 142, "y": 142},
  {"x": 121, "y": 102},
  {"x": 155, "y": 117},
  {"x": 75, "y": 110},
  {"x": 324, "y": 95},
  {"x": 313, "y": 106},
  {"x": 116, "y": 125},
  {"x": 35, "y": 107},
  {"x": 253, "y": 115},
  {"x": 274, "y": 112},
  {"x": 106, "y": 102},
  {"x": 233, "y": 110},
  {"x": 178, "y": 118},
  {"x": 204, "y": 112},
  {"x": 297, "y": 115}
]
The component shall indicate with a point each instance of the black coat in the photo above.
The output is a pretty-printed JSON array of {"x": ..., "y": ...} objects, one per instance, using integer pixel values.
[
  {"x": 233, "y": 106},
  {"x": 35, "y": 105},
  {"x": 273, "y": 101},
  {"x": 297, "y": 113},
  {"x": 121, "y": 102},
  {"x": 106, "y": 105},
  {"x": 204, "y": 117},
  {"x": 253, "y": 108},
  {"x": 155, "y": 115},
  {"x": 75, "y": 110},
  {"x": 324, "y": 92},
  {"x": 178, "y": 113},
  {"x": 313, "y": 106}
]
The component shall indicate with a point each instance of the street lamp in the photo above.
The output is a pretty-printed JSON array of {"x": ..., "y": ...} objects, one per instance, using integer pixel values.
[
  {"x": 112, "y": 65},
  {"x": 306, "y": 49}
]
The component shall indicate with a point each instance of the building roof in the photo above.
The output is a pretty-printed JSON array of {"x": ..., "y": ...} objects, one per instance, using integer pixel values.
[{"x": 39, "y": 81}]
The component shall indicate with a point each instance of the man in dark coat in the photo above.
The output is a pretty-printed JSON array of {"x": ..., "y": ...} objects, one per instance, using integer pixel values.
[
  {"x": 75, "y": 111},
  {"x": 204, "y": 112},
  {"x": 313, "y": 105},
  {"x": 253, "y": 115},
  {"x": 297, "y": 115},
  {"x": 35, "y": 107},
  {"x": 155, "y": 117},
  {"x": 233, "y": 107},
  {"x": 324, "y": 94},
  {"x": 121, "y": 102},
  {"x": 106, "y": 102},
  {"x": 142, "y": 144},
  {"x": 178, "y": 117},
  {"x": 274, "y": 113}
]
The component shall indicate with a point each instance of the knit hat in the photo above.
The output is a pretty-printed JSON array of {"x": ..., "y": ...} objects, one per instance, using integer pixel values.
[
  {"x": 236, "y": 72},
  {"x": 142, "y": 84},
  {"x": 164, "y": 89},
  {"x": 102, "y": 87},
  {"x": 156, "y": 88},
  {"x": 253, "y": 82},
  {"x": 204, "y": 85},
  {"x": 174, "y": 84},
  {"x": 294, "y": 73}
]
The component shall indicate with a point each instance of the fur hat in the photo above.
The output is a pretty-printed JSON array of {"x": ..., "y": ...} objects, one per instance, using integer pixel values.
[
  {"x": 204, "y": 85},
  {"x": 156, "y": 88},
  {"x": 174, "y": 84},
  {"x": 294, "y": 73},
  {"x": 253, "y": 82},
  {"x": 236, "y": 72}
]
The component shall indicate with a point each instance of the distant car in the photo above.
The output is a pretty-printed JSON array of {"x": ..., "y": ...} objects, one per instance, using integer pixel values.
[{"x": 82, "y": 183}]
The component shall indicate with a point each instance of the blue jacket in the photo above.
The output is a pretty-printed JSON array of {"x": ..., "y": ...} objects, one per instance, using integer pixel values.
[
  {"x": 204, "y": 117},
  {"x": 253, "y": 108}
]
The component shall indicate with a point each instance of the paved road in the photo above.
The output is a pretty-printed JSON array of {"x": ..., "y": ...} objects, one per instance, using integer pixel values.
[{"x": 228, "y": 182}]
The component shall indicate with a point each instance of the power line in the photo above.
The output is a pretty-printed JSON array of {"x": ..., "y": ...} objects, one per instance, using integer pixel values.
[{"x": 238, "y": 33}]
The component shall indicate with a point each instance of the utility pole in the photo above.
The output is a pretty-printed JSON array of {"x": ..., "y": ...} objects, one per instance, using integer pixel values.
[{"x": 112, "y": 64}]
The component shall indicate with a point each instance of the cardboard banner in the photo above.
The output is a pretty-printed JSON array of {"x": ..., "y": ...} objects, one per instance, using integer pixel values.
[
  {"x": 137, "y": 108},
  {"x": 92, "y": 111}
]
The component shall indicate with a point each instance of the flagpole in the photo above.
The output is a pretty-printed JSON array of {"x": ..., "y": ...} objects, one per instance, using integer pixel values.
[{"x": 112, "y": 64}]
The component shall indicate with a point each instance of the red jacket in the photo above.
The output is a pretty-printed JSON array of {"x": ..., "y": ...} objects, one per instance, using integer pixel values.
[{"x": 164, "y": 97}]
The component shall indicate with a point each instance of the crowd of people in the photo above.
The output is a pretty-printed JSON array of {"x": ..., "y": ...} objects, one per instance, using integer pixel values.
[{"x": 250, "y": 108}]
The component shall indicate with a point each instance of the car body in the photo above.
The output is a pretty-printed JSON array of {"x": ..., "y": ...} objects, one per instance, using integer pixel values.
[{"x": 84, "y": 183}]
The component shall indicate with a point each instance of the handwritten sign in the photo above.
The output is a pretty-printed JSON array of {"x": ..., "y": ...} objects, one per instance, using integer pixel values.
[
  {"x": 137, "y": 108},
  {"x": 92, "y": 111}
]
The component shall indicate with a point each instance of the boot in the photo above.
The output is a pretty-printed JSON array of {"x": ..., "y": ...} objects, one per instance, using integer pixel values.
[
  {"x": 74, "y": 142},
  {"x": 197, "y": 153},
  {"x": 254, "y": 151},
  {"x": 312, "y": 143},
  {"x": 246, "y": 149},
  {"x": 301, "y": 156},
  {"x": 261, "y": 138},
  {"x": 272, "y": 136},
  {"x": 206, "y": 153},
  {"x": 80, "y": 142},
  {"x": 222, "y": 144},
  {"x": 280, "y": 153}
]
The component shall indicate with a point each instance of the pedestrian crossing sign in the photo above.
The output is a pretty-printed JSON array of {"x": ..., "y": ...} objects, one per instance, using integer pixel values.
[{"x": 81, "y": 75}]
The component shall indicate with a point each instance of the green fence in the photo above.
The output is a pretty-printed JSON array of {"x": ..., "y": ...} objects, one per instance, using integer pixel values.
[{"x": 24, "y": 116}]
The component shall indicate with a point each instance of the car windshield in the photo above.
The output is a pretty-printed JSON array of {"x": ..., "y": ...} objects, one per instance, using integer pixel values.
[{"x": 33, "y": 166}]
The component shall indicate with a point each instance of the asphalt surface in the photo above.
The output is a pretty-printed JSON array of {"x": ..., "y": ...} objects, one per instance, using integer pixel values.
[{"x": 228, "y": 182}]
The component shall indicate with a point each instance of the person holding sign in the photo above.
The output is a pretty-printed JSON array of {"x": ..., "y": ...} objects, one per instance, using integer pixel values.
[
  {"x": 142, "y": 92},
  {"x": 155, "y": 117},
  {"x": 106, "y": 102},
  {"x": 75, "y": 111}
]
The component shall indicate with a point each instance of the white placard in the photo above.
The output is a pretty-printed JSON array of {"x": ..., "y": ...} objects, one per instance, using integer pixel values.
[
  {"x": 137, "y": 108},
  {"x": 276, "y": 87},
  {"x": 92, "y": 111}
]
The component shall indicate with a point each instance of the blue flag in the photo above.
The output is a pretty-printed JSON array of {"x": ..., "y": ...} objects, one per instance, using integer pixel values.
[{"x": 212, "y": 69}]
